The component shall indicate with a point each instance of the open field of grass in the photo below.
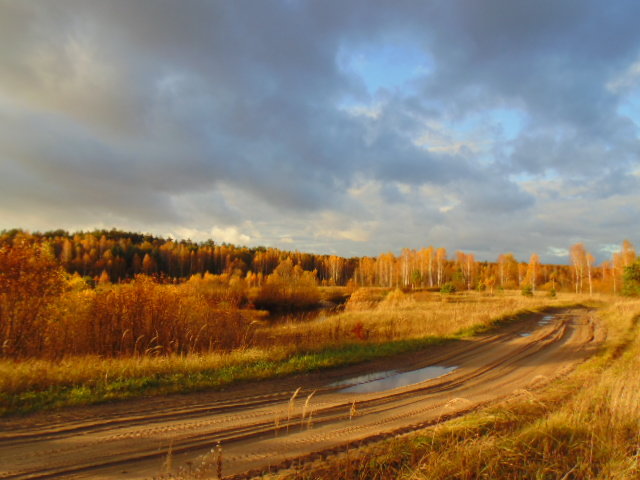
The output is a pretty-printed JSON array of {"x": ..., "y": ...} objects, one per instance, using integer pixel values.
[
  {"x": 380, "y": 315},
  {"x": 375, "y": 323},
  {"x": 585, "y": 426}
]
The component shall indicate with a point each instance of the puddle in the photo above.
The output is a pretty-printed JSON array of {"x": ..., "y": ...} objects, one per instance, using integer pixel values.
[
  {"x": 369, "y": 377},
  {"x": 396, "y": 380},
  {"x": 546, "y": 320}
]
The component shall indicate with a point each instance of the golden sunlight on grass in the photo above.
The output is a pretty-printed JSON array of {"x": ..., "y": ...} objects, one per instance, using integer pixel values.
[
  {"x": 375, "y": 318},
  {"x": 378, "y": 315},
  {"x": 585, "y": 426}
]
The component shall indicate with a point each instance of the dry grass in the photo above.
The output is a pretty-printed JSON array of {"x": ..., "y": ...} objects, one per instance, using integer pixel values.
[
  {"x": 584, "y": 427},
  {"x": 377, "y": 316},
  {"x": 356, "y": 334},
  {"x": 21, "y": 376}
]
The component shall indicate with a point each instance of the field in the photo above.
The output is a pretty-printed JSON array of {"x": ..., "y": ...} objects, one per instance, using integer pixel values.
[
  {"x": 376, "y": 322},
  {"x": 264, "y": 424}
]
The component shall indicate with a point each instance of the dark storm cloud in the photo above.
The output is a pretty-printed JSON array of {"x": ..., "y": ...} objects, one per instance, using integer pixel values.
[{"x": 139, "y": 111}]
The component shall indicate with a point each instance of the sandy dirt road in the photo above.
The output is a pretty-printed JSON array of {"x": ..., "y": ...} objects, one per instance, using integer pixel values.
[{"x": 259, "y": 427}]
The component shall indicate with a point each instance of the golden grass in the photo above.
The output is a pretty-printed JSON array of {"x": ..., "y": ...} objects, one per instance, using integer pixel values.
[
  {"x": 586, "y": 426},
  {"x": 377, "y": 316},
  {"x": 396, "y": 317},
  {"x": 19, "y": 376}
]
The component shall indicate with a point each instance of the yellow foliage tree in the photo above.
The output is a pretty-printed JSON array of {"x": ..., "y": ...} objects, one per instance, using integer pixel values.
[
  {"x": 30, "y": 281},
  {"x": 289, "y": 287}
]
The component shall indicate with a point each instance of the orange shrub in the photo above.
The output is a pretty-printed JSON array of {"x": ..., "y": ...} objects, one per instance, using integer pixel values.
[
  {"x": 30, "y": 283},
  {"x": 144, "y": 317},
  {"x": 289, "y": 288},
  {"x": 365, "y": 298},
  {"x": 42, "y": 315}
]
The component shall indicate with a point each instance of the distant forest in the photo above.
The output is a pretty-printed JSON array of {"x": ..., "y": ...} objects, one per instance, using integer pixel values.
[{"x": 117, "y": 256}]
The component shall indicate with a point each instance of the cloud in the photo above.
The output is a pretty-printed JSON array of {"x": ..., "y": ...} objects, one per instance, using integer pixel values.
[
  {"x": 626, "y": 80},
  {"x": 229, "y": 235},
  {"x": 558, "y": 252},
  {"x": 349, "y": 128}
]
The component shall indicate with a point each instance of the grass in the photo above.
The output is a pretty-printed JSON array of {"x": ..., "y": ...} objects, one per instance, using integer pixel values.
[
  {"x": 396, "y": 316},
  {"x": 585, "y": 426},
  {"x": 392, "y": 324}
]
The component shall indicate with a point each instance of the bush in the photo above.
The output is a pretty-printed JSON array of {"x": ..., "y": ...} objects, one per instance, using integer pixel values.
[
  {"x": 448, "y": 288},
  {"x": 289, "y": 288},
  {"x": 527, "y": 291},
  {"x": 396, "y": 298},
  {"x": 365, "y": 298},
  {"x": 631, "y": 278},
  {"x": 31, "y": 283},
  {"x": 144, "y": 317}
]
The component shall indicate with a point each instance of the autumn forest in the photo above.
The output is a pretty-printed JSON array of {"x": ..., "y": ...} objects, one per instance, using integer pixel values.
[
  {"x": 116, "y": 257},
  {"x": 115, "y": 293}
]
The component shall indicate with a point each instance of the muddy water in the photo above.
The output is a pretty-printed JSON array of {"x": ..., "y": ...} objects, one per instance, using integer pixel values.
[
  {"x": 369, "y": 377},
  {"x": 390, "y": 379},
  {"x": 381, "y": 381},
  {"x": 546, "y": 320}
]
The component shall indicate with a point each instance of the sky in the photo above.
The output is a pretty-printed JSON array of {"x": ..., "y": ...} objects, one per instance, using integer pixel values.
[{"x": 342, "y": 127}]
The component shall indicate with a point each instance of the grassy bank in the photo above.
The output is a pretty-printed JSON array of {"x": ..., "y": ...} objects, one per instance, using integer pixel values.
[
  {"x": 585, "y": 426},
  {"x": 390, "y": 324}
]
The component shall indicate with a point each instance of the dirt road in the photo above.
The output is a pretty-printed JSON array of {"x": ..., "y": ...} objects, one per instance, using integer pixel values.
[{"x": 259, "y": 426}]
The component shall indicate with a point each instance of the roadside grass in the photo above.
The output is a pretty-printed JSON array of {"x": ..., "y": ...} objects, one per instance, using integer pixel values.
[
  {"x": 379, "y": 316},
  {"x": 395, "y": 323},
  {"x": 584, "y": 426}
]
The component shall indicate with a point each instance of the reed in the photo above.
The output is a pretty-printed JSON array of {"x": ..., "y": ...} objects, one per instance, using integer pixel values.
[
  {"x": 291, "y": 406},
  {"x": 305, "y": 409}
]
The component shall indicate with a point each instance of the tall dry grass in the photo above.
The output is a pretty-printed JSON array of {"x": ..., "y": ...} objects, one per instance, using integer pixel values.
[
  {"x": 376, "y": 315},
  {"x": 237, "y": 349},
  {"x": 586, "y": 426},
  {"x": 19, "y": 376}
]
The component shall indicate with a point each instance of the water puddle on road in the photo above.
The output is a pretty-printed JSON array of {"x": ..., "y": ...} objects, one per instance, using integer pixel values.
[
  {"x": 380, "y": 382},
  {"x": 369, "y": 377},
  {"x": 546, "y": 320}
]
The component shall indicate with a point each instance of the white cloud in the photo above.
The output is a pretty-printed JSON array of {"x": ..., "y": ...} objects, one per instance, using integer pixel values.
[
  {"x": 358, "y": 110},
  {"x": 626, "y": 80},
  {"x": 229, "y": 235},
  {"x": 353, "y": 234},
  {"x": 558, "y": 252}
]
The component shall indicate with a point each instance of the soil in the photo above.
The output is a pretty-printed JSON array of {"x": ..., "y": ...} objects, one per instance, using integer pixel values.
[{"x": 261, "y": 429}]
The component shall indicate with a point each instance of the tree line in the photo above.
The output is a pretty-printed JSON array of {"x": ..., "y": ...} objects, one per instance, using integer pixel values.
[{"x": 116, "y": 256}]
